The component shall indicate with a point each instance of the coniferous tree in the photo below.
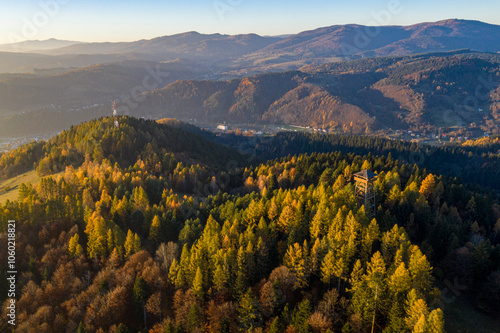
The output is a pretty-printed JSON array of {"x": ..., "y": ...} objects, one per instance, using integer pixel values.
[
  {"x": 198, "y": 284},
  {"x": 249, "y": 313},
  {"x": 140, "y": 294},
  {"x": 428, "y": 186}
]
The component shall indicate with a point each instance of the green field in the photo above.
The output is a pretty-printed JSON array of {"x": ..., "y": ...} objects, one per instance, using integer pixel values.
[{"x": 9, "y": 188}]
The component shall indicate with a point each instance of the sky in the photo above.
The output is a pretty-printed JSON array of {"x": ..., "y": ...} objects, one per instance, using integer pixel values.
[{"x": 99, "y": 21}]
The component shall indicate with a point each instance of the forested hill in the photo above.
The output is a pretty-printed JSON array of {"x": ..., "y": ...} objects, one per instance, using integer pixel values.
[
  {"x": 156, "y": 144},
  {"x": 476, "y": 163},
  {"x": 156, "y": 242},
  {"x": 420, "y": 92}
]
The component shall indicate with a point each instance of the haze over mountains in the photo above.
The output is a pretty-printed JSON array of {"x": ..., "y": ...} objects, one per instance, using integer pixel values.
[
  {"x": 338, "y": 42},
  {"x": 78, "y": 82},
  {"x": 36, "y": 45}
]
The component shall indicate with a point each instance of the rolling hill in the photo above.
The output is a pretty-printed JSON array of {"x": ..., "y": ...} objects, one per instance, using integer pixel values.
[
  {"x": 150, "y": 221},
  {"x": 359, "y": 40},
  {"x": 190, "y": 44},
  {"x": 419, "y": 92},
  {"x": 338, "y": 42},
  {"x": 250, "y": 53},
  {"x": 376, "y": 93}
]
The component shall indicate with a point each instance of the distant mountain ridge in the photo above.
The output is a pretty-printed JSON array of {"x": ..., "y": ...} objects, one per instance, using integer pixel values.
[
  {"x": 408, "y": 92},
  {"x": 368, "y": 41},
  {"x": 243, "y": 55},
  {"x": 190, "y": 44},
  {"x": 36, "y": 45},
  {"x": 417, "y": 92},
  {"x": 337, "y": 40}
]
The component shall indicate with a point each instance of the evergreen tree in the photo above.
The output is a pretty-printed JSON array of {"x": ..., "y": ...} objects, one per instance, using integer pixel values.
[
  {"x": 300, "y": 317},
  {"x": 81, "y": 328},
  {"x": 154, "y": 230},
  {"x": 198, "y": 284},
  {"x": 328, "y": 268},
  {"x": 428, "y": 186},
  {"x": 129, "y": 244},
  {"x": 250, "y": 316},
  {"x": 275, "y": 326},
  {"x": 194, "y": 320},
  {"x": 435, "y": 322},
  {"x": 140, "y": 294},
  {"x": 74, "y": 248}
]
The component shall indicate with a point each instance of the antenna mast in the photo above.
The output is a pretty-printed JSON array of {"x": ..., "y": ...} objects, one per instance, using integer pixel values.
[{"x": 115, "y": 115}]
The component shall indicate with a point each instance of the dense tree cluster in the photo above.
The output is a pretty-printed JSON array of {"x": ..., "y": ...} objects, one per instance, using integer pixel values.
[
  {"x": 97, "y": 140},
  {"x": 474, "y": 164},
  {"x": 285, "y": 247}
]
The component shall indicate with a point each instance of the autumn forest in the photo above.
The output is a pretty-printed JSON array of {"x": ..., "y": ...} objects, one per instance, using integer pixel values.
[{"x": 157, "y": 227}]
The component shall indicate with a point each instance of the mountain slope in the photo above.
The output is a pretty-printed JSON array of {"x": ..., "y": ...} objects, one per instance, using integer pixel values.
[
  {"x": 419, "y": 92},
  {"x": 359, "y": 40},
  {"x": 190, "y": 44},
  {"x": 99, "y": 140},
  {"x": 375, "y": 93},
  {"x": 243, "y": 54}
]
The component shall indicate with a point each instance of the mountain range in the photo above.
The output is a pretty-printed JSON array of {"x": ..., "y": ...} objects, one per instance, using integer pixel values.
[
  {"x": 417, "y": 92},
  {"x": 36, "y": 45},
  {"x": 402, "y": 78},
  {"x": 254, "y": 54}
]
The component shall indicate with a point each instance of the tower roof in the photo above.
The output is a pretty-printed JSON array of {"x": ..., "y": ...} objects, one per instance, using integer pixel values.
[{"x": 365, "y": 174}]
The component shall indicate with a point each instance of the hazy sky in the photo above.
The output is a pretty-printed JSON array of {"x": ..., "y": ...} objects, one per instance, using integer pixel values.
[{"x": 92, "y": 20}]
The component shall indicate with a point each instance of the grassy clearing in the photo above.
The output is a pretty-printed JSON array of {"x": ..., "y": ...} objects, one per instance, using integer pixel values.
[
  {"x": 9, "y": 188},
  {"x": 461, "y": 317}
]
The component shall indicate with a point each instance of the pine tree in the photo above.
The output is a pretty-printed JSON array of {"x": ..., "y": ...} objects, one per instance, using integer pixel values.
[
  {"x": 400, "y": 281},
  {"x": 370, "y": 235},
  {"x": 285, "y": 219},
  {"x": 420, "y": 326},
  {"x": 435, "y": 322},
  {"x": 154, "y": 230},
  {"x": 393, "y": 196},
  {"x": 421, "y": 272},
  {"x": 115, "y": 258},
  {"x": 74, "y": 248},
  {"x": 129, "y": 244},
  {"x": 262, "y": 258},
  {"x": 140, "y": 199},
  {"x": 376, "y": 272},
  {"x": 273, "y": 211},
  {"x": 198, "y": 284},
  {"x": 415, "y": 312},
  {"x": 81, "y": 328},
  {"x": 316, "y": 257},
  {"x": 301, "y": 316},
  {"x": 275, "y": 326},
  {"x": 110, "y": 241},
  {"x": 249, "y": 311},
  {"x": 295, "y": 260},
  {"x": 137, "y": 243},
  {"x": 194, "y": 320},
  {"x": 328, "y": 268},
  {"x": 220, "y": 277},
  {"x": 428, "y": 186},
  {"x": 140, "y": 295},
  {"x": 97, "y": 236},
  {"x": 319, "y": 222}
]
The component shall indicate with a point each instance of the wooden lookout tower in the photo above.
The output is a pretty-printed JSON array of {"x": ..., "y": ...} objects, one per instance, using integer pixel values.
[{"x": 364, "y": 190}]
